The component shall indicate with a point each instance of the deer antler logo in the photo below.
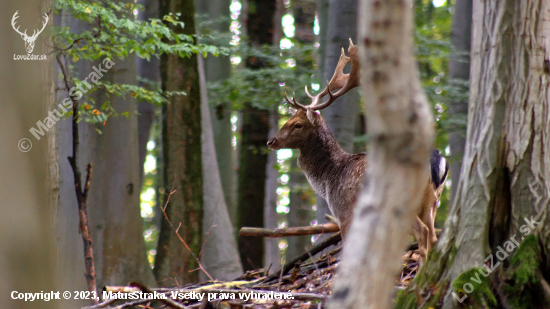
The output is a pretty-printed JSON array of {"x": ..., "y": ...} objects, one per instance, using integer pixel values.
[{"x": 29, "y": 40}]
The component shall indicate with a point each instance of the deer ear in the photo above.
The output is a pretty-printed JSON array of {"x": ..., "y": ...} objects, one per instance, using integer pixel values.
[
  {"x": 312, "y": 117},
  {"x": 292, "y": 111}
]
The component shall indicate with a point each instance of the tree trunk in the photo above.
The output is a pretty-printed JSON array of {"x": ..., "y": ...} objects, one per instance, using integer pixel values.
[
  {"x": 459, "y": 70},
  {"x": 502, "y": 197},
  {"x": 343, "y": 113},
  {"x": 218, "y": 69},
  {"x": 253, "y": 156},
  {"x": 400, "y": 127},
  {"x": 113, "y": 202},
  {"x": 149, "y": 70},
  {"x": 220, "y": 256},
  {"x": 272, "y": 252},
  {"x": 114, "y": 198},
  {"x": 27, "y": 246},
  {"x": 181, "y": 130},
  {"x": 300, "y": 212}
]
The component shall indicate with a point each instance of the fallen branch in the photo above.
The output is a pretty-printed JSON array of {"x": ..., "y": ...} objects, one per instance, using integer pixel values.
[
  {"x": 290, "y": 231},
  {"x": 334, "y": 239}
]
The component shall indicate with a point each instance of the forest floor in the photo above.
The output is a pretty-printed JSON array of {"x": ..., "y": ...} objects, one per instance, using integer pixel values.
[{"x": 300, "y": 283}]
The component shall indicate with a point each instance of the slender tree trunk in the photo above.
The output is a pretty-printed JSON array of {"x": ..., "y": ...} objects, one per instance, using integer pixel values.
[
  {"x": 70, "y": 258},
  {"x": 343, "y": 113},
  {"x": 148, "y": 70},
  {"x": 182, "y": 160},
  {"x": 502, "y": 197},
  {"x": 272, "y": 252},
  {"x": 459, "y": 70},
  {"x": 220, "y": 256},
  {"x": 300, "y": 212},
  {"x": 219, "y": 69},
  {"x": 253, "y": 157},
  {"x": 401, "y": 128}
]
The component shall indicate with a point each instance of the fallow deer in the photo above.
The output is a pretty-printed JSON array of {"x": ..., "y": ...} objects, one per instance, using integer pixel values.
[{"x": 336, "y": 175}]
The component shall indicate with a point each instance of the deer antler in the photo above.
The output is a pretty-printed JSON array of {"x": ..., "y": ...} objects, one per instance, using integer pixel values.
[
  {"x": 340, "y": 82},
  {"x": 34, "y": 34},
  {"x": 15, "y": 16},
  {"x": 44, "y": 24}
]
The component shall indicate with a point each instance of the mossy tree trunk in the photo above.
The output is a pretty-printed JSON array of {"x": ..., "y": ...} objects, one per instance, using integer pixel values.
[
  {"x": 181, "y": 130},
  {"x": 503, "y": 196}
]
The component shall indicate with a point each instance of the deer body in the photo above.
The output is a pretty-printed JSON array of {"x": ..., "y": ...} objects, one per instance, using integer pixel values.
[
  {"x": 333, "y": 173},
  {"x": 336, "y": 175}
]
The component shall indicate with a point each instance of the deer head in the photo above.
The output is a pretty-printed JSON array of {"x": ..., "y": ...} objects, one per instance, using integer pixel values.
[
  {"x": 297, "y": 130},
  {"x": 29, "y": 40}
]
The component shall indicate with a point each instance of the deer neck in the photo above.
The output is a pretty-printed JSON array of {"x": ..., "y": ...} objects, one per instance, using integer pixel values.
[{"x": 321, "y": 154}]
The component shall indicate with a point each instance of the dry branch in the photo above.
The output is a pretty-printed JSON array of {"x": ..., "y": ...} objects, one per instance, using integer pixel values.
[
  {"x": 290, "y": 231},
  {"x": 81, "y": 192}
]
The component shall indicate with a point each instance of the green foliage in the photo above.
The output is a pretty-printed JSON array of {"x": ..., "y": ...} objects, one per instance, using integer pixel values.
[
  {"x": 266, "y": 85},
  {"x": 114, "y": 33}
]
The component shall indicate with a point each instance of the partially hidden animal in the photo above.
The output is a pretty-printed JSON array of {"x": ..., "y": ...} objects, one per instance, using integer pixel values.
[{"x": 336, "y": 175}]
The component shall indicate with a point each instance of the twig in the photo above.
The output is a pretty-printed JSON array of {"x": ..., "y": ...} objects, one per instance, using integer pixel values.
[
  {"x": 181, "y": 239},
  {"x": 332, "y": 240},
  {"x": 81, "y": 193},
  {"x": 290, "y": 231}
]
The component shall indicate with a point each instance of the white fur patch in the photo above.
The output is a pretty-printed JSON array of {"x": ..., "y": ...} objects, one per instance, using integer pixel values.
[
  {"x": 292, "y": 111},
  {"x": 442, "y": 165},
  {"x": 311, "y": 116}
]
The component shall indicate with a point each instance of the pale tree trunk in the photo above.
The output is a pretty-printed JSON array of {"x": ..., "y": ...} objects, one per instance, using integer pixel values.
[
  {"x": 272, "y": 256},
  {"x": 149, "y": 70},
  {"x": 220, "y": 256},
  {"x": 504, "y": 190},
  {"x": 70, "y": 256},
  {"x": 459, "y": 69},
  {"x": 272, "y": 253},
  {"x": 400, "y": 127},
  {"x": 176, "y": 262},
  {"x": 114, "y": 198},
  {"x": 343, "y": 113},
  {"x": 27, "y": 245},
  {"x": 218, "y": 69}
]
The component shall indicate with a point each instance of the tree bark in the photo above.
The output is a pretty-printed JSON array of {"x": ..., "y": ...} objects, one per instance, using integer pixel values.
[
  {"x": 504, "y": 179},
  {"x": 343, "y": 113},
  {"x": 218, "y": 69},
  {"x": 181, "y": 130},
  {"x": 220, "y": 256},
  {"x": 114, "y": 196},
  {"x": 27, "y": 245},
  {"x": 459, "y": 69},
  {"x": 253, "y": 156},
  {"x": 400, "y": 127},
  {"x": 272, "y": 255}
]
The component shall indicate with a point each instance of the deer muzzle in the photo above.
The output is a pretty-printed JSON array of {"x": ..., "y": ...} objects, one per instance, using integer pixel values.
[{"x": 273, "y": 144}]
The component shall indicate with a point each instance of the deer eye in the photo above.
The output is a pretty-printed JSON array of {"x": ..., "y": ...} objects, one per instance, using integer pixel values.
[{"x": 298, "y": 126}]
